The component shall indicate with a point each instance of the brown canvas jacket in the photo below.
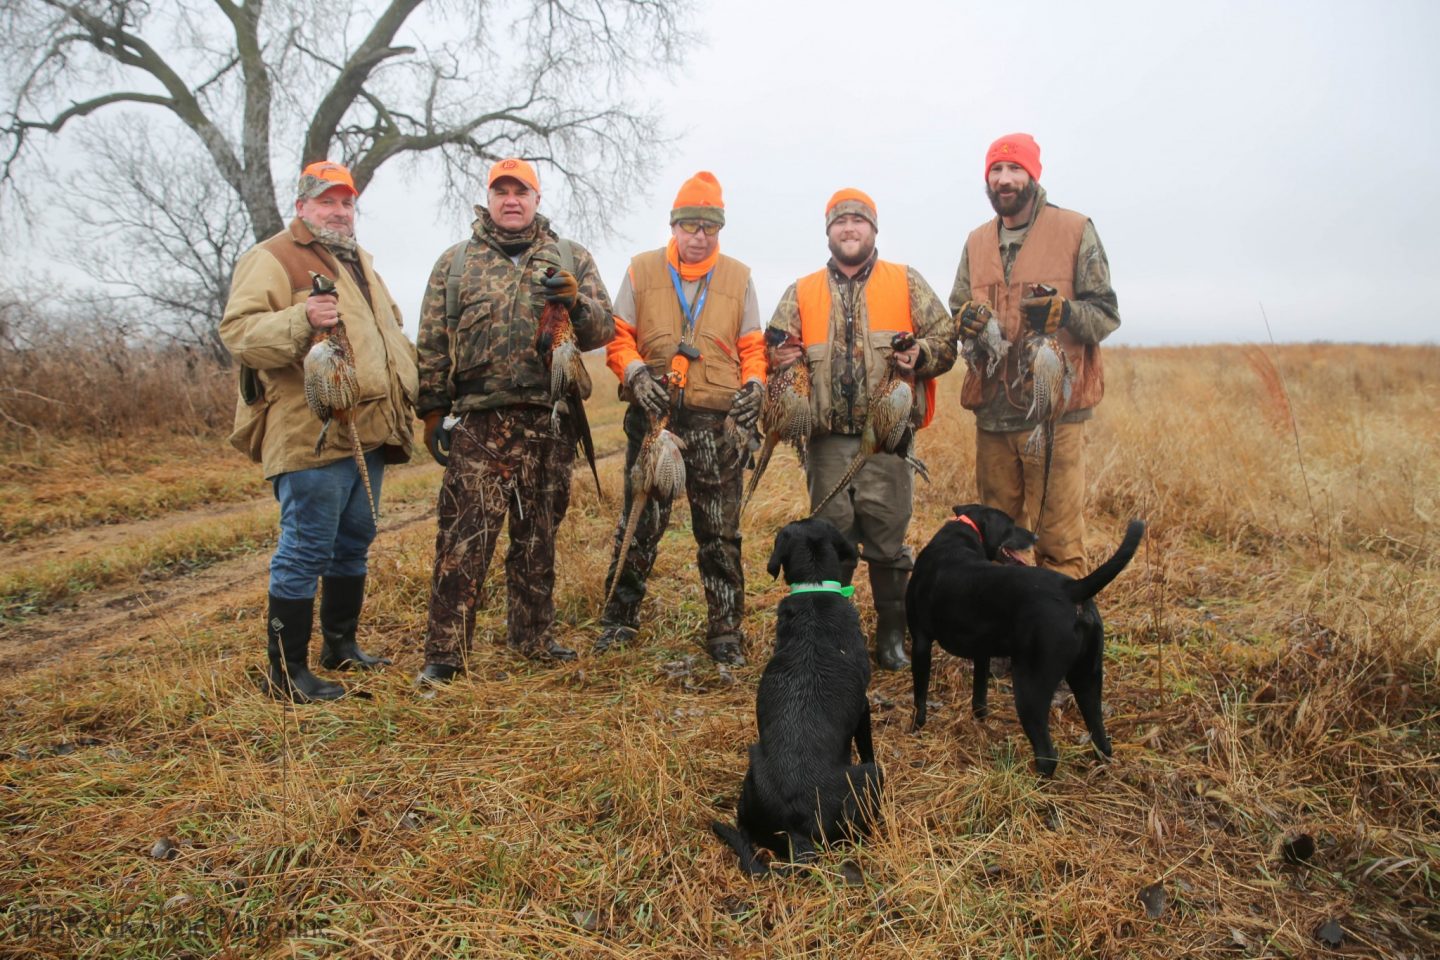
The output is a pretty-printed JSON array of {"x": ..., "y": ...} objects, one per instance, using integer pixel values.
[{"x": 265, "y": 329}]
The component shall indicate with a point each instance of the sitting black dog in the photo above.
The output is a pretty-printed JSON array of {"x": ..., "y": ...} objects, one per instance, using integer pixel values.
[
  {"x": 1045, "y": 622},
  {"x": 801, "y": 789}
]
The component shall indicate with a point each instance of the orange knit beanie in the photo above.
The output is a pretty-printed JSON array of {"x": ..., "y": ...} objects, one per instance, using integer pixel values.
[{"x": 699, "y": 199}]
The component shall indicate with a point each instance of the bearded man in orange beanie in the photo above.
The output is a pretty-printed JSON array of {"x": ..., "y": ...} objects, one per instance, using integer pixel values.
[
  {"x": 1037, "y": 269},
  {"x": 689, "y": 311},
  {"x": 843, "y": 320}
]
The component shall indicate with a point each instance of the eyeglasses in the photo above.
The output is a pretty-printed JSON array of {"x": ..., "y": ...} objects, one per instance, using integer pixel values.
[{"x": 695, "y": 226}]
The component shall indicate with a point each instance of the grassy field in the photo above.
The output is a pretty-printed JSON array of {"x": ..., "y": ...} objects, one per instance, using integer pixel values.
[{"x": 1273, "y": 691}]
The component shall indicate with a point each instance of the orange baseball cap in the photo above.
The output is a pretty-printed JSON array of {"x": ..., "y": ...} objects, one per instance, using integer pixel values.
[
  {"x": 516, "y": 168},
  {"x": 323, "y": 175}
]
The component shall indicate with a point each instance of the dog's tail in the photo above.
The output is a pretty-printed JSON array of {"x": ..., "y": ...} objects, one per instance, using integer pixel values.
[
  {"x": 736, "y": 839},
  {"x": 1099, "y": 578}
]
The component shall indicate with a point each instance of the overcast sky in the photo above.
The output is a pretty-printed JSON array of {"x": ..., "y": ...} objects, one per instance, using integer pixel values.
[{"x": 1229, "y": 153}]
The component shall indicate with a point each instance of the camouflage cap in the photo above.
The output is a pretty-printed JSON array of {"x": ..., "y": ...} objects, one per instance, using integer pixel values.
[
  {"x": 853, "y": 201},
  {"x": 323, "y": 175}
]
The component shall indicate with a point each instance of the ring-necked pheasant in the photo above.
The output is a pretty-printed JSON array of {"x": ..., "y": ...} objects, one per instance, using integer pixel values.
[
  {"x": 1051, "y": 380},
  {"x": 332, "y": 387},
  {"x": 786, "y": 414},
  {"x": 887, "y": 421},
  {"x": 569, "y": 380},
  {"x": 658, "y": 474}
]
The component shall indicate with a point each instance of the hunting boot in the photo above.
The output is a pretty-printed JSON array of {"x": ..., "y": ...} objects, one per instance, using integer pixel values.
[
  {"x": 613, "y": 635},
  {"x": 340, "y": 600},
  {"x": 287, "y": 632},
  {"x": 887, "y": 584}
]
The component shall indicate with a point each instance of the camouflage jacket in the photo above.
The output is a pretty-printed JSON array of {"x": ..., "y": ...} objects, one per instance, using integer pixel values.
[
  {"x": 934, "y": 332},
  {"x": 1094, "y": 312},
  {"x": 486, "y": 357}
]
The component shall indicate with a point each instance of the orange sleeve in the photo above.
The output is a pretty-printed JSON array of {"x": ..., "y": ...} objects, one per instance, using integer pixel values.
[
  {"x": 752, "y": 355},
  {"x": 622, "y": 350}
]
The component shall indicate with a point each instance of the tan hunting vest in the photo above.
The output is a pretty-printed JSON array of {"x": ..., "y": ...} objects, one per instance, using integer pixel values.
[
  {"x": 659, "y": 324},
  {"x": 1047, "y": 256}
]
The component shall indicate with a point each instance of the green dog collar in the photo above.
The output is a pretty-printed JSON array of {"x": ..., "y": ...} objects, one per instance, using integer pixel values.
[{"x": 825, "y": 586}]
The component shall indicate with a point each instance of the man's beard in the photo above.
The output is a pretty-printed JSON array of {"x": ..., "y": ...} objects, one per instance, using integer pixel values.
[
  {"x": 847, "y": 260},
  {"x": 339, "y": 242},
  {"x": 1008, "y": 208}
]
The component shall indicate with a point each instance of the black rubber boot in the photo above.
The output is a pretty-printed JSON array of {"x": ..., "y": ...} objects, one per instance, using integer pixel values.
[
  {"x": 888, "y": 586},
  {"x": 437, "y": 674},
  {"x": 287, "y": 632},
  {"x": 613, "y": 635},
  {"x": 340, "y": 602}
]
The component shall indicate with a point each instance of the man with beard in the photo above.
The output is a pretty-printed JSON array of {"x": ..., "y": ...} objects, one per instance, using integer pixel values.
[
  {"x": 326, "y": 520},
  {"x": 841, "y": 320},
  {"x": 481, "y": 362},
  {"x": 1033, "y": 242},
  {"x": 687, "y": 309}
]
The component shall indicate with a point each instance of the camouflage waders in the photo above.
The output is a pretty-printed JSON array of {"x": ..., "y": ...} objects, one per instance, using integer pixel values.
[
  {"x": 713, "y": 483},
  {"x": 502, "y": 461}
]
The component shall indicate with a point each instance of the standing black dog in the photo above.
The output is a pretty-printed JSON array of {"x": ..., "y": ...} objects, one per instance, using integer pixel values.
[
  {"x": 1045, "y": 622},
  {"x": 801, "y": 789}
]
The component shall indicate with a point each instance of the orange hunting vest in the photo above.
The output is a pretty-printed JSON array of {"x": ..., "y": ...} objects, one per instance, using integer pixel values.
[{"x": 887, "y": 312}]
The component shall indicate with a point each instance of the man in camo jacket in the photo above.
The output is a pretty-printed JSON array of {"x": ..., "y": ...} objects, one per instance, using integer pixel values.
[{"x": 502, "y": 457}]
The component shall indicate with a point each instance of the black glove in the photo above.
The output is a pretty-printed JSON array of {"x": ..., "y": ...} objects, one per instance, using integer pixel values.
[
  {"x": 745, "y": 407},
  {"x": 561, "y": 287},
  {"x": 1045, "y": 310},
  {"x": 650, "y": 393},
  {"x": 973, "y": 316},
  {"x": 437, "y": 437}
]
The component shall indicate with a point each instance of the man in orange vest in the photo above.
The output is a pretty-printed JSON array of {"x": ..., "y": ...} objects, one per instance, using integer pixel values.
[
  {"x": 841, "y": 321},
  {"x": 1032, "y": 242},
  {"x": 689, "y": 310}
]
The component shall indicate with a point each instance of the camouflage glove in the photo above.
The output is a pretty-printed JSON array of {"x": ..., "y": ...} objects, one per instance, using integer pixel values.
[
  {"x": 647, "y": 391},
  {"x": 745, "y": 407},
  {"x": 973, "y": 316},
  {"x": 437, "y": 437},
  {"x": 1046, "y": 312},
  {"x": 562, "y": 288}
]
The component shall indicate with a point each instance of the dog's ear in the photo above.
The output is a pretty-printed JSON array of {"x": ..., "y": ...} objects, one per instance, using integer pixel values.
[
  {"x": 781, "y": 551},
  {"x": 996, "y": 529}
]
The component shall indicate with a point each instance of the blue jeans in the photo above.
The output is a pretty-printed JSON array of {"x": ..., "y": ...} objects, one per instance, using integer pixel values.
[{"x": 325, "y": 525}]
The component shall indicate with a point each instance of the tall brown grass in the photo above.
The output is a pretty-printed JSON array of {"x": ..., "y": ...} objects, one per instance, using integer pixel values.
[{"x": 1271, "y": 682}]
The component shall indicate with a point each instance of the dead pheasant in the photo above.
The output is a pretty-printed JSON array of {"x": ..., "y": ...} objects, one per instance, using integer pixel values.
[
  {"x": 658, "y": 474},
  {"x": 991, "y": 343},
  {"x": 887, "y": 422},
  {"x": 332, "y": 386},
  {"x": 569, "y": 380},
  {"x": 785, "y": 415},
  {"x": 1051, "y": 380}
]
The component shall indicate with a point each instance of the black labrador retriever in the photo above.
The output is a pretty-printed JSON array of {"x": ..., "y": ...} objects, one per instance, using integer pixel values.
[
  {"x": 1045, "y": 622},
  {"x": 801, "y": 789}
]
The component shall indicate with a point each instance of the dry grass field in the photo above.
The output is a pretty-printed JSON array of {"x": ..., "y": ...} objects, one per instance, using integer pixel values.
[{"x": 1273, "y": 691}]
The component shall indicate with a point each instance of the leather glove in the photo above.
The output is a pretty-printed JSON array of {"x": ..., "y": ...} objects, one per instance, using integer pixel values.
[
  {"x": 647, "y": 391},
  {"x": 561, "y": 287},
  {"x": 1045, "y": 310},
  {"x": 437, "y": 437},
  {"x": 745, "y": 407},
  {"x": 973, "y": 316}
]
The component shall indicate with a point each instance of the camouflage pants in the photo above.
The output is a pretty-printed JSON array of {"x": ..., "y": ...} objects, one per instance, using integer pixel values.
[
  {"x": 713, "y": 483},
  {"x": 502, "y": 462}
]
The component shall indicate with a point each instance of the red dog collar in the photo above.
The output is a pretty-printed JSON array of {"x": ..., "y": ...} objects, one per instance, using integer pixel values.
[{"x": 961, "y": 518}]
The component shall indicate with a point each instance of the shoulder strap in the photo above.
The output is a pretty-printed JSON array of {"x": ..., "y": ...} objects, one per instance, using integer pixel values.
[
  {"x": 567, "y": 255},
  {"x": 452, "y": 283}
]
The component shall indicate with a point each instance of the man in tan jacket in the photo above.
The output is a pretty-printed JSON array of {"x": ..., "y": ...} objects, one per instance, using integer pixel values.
[
  {"x": 326, "y": 519},
  {"x": 1032, "y": 242}
]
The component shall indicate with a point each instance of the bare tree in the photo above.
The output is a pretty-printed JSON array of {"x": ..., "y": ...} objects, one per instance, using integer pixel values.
[
  {"x": 157, "y": 233},
  {"x": 474, "y": 80}
]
